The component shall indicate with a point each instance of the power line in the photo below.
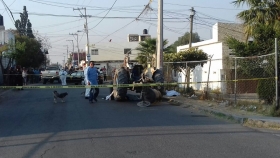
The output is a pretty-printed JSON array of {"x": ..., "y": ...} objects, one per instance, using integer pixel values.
[
  {"x": 116, "y": 31},
  {"x": 105, "y": 15},
  {"x": 10, "y": 5},
  {"x": 201, "y": 6},
  {"x": 126, "y": 24},
  {"x": 54, "y": 25},
  {"x": 75, "y": 5},
  {"x": 219, "y": 19},
  {"x": 113, "y": 17},
  {"x": 9, "y": 11},
  {"x": 50, "y": 4}
]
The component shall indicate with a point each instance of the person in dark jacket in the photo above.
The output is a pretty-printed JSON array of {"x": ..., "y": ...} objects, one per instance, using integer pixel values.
[
  {"x": 12, "y": 75},
  {"x": 19, "y": 79}
]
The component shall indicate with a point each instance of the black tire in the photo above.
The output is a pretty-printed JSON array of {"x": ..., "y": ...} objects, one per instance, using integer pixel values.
[
  {"x": 158, "y": 78},
  {"x": 51, "y": 81},
  {"x": 45, "y": 81},
  {"x": 122, "y": 78}
]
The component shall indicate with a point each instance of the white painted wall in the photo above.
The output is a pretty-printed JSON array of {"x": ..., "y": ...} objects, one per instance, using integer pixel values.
[
  {"x": 113, "y": 51},
  {"x": 200, "y": 74}
]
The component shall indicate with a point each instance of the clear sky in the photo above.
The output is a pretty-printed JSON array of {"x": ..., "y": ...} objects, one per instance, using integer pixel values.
[{"x": 47, "y": 20}]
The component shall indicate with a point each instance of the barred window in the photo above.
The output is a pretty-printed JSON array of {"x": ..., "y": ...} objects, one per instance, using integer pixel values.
[{"x": 94, "y": 52}]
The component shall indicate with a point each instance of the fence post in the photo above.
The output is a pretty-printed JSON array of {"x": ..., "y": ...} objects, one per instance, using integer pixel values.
[
  {"x": 235, "y": 81},
  {"x": 276, "y": 74},
  {"x": 185, "y": 73}
]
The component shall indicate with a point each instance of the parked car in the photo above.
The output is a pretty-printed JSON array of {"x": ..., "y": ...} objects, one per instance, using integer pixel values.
[
  {"x": 51, "y": 73},
  {"x": 75, "y": 77}
]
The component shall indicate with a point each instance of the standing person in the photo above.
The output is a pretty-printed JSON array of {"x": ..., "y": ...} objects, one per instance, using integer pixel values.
[
  {"x": 92, "y": 77},
  {"x": 62, "y": 75},
  {"x": 24, "y": 76},
  {"x": 12, "y": 77},
  {"x": 19, "y": 79},
  {"x": 85, "y": 67},
  {"x": 104, "y": 71}
]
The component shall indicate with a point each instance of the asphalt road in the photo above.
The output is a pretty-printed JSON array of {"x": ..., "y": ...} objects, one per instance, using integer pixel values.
[{"x": 31, "y": 125}]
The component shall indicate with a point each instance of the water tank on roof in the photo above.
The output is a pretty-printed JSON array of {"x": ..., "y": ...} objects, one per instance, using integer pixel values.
[
  {"x": 1, "y": 20},
  {"x": 145, "y": 32}
]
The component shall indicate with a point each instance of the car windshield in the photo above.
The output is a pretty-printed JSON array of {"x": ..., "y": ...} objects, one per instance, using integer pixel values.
[
  {"x": 51, "y": 68},
  {"x": 80, "y": 73},
  {"x": 74, "y": 74}
]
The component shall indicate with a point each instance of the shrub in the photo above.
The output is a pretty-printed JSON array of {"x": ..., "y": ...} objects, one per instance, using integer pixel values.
[{"x": 266, "y": 90}]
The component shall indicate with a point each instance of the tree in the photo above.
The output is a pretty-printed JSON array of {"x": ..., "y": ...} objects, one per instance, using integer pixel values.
[
  {"x": 28, "y": 52},
  {"x": 192, "y": 54},
  {"x": 148, "y": 49},
  {"x": 265, "y": 12},
  {"x": 183, "y": 40},
  {"x": 24, "y": 26}
]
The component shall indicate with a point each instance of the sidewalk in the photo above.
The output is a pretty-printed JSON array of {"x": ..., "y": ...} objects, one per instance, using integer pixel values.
[{"x": 225, "y": 111}]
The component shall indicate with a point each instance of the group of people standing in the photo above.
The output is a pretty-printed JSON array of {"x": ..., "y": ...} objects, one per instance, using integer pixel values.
[{"x": 19, "y": 76}]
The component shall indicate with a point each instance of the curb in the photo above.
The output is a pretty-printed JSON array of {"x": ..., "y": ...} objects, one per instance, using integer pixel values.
[{"x": 245, "y": 121}]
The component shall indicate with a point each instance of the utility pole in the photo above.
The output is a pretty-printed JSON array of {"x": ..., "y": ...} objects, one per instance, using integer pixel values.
[
  {"x": 191, "y": 27},
  {"x": 67, "y": 55},
  {"x": 77, "y": 46},
  {"x": 276, "y": 74},
  {"x": 73, "y": 48},
  {"x": 160, "y": 36},
  {"x": 86, "y": 28}
]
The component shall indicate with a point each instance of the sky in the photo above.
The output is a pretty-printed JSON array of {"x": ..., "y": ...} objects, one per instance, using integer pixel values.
[{"x": 114, "y": 20}]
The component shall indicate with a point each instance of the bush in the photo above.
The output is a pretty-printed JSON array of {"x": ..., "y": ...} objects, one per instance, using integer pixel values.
[
  {"x": 190, "y": 91},
  {"x": 266, "y": 90}
]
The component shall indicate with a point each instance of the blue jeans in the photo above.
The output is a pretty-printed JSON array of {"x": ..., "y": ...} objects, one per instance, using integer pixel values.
[{"x": 93, "y": 95}]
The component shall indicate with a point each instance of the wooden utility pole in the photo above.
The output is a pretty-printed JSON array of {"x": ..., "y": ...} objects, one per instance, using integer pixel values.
[{"x": 191, "y": 26}]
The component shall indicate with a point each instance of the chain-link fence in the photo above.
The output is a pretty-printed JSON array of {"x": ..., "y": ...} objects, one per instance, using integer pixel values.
[
  {"x": 255, "y": 78},
  {"x": 233, "y": 78}
]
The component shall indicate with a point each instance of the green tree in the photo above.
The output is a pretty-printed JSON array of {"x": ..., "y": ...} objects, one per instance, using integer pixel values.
[
  {"x": 147, "y": 51},
  {"x": 192, "y": 54},
  {"x": 28, "y": 52},
  {"x": 263, "y": 31},
  {"x": 23, "y": 25},
  {"x": 264, "y": 12},
  {"x": 183, "y": 40}
]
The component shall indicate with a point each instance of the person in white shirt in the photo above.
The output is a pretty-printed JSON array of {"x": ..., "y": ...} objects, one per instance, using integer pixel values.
[
  {"x": 62, "y": 75},
  {"x": 86, "y": 81},
  {"x": 24, "y": 76}
]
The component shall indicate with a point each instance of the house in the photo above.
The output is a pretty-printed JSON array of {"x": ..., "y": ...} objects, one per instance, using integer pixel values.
[
  {"x": 219, "y": 53},
  {"x": 112, "y": 56},
  {"x": 6, "y": 37}
]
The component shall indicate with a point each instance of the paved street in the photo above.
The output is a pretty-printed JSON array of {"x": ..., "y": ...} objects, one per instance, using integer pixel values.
[{"x": 31, "y": 125}]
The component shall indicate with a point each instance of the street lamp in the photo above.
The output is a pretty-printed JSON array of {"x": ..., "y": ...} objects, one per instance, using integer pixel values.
[
  {"x": 77, "y": 45},
  {"x": 73, "y": 49},
  {"x": 87, "y": 46},
  {"x": 66, "y": 55}
]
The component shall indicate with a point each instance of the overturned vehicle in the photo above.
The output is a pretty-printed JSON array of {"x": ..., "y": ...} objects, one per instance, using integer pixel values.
[{"x": 142, "y": 79}]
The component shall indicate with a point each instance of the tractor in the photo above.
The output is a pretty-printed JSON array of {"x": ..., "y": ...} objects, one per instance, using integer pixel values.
[{"x": 138, "y": 75}]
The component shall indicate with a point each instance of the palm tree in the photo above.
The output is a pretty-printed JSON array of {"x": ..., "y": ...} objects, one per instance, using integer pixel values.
[
  {"x": 147, "y": 51},
  {"x": 260, "y": 12}
]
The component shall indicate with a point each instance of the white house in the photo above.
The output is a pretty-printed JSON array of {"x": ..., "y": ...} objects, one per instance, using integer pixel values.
[
  {"x": 6, "y": 37},
  {"x": 112, "y": 54},
  {"x": 219, "y": 51}
]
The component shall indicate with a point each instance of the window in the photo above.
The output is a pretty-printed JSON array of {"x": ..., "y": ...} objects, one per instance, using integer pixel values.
[
  {"x": 52, "y": 68},
  {"x": 74, "y": 74},
  {"x": 94, "y": 52}
]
